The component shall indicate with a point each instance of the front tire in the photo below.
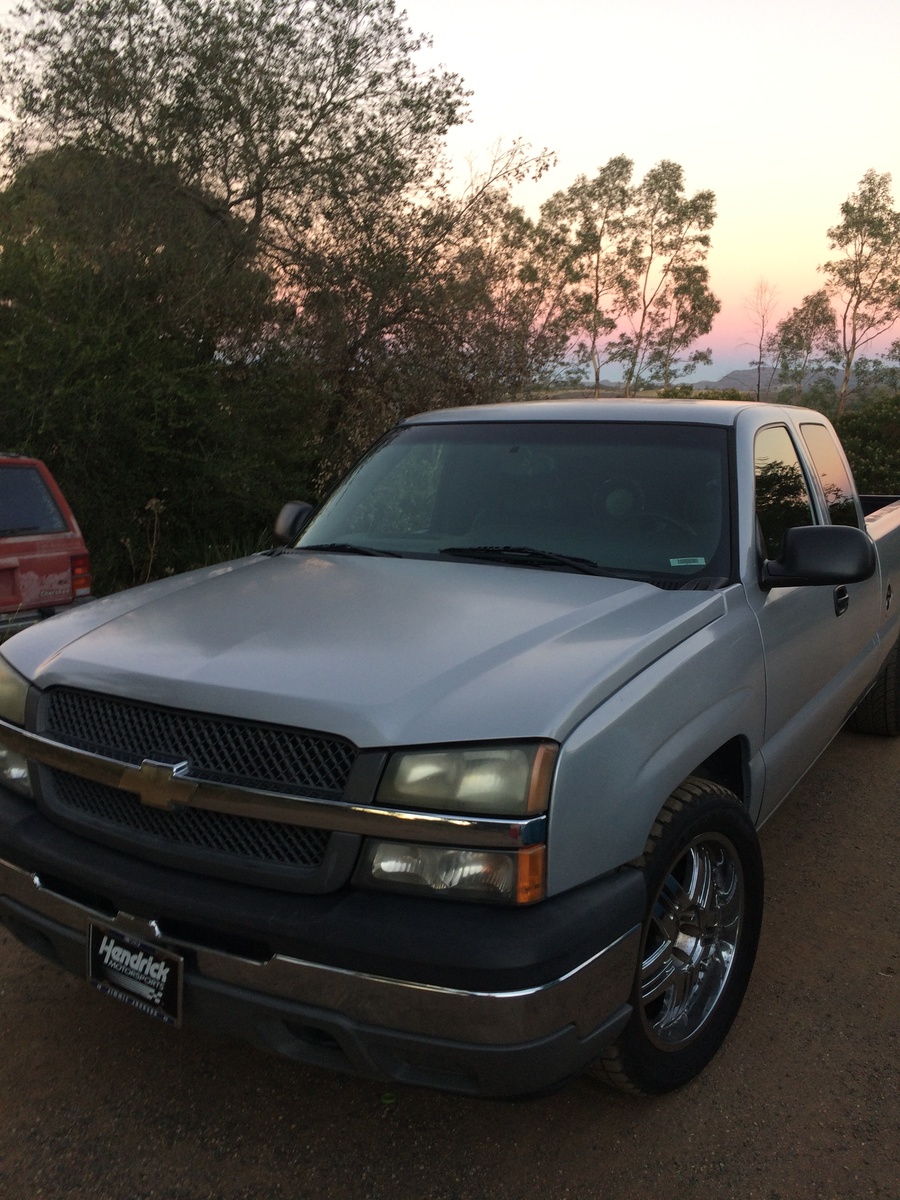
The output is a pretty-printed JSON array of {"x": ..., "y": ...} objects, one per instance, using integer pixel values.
[{"x": 704, "y": 876}]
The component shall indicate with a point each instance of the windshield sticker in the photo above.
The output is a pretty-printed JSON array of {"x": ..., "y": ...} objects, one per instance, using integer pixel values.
[{"x": 687, "y": 562}]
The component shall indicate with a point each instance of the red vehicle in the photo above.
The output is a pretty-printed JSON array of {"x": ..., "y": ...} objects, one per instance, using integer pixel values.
[{"x": 44, "y": 563}]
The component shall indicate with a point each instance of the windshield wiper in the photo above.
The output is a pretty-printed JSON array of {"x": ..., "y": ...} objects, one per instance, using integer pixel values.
[
  {"x": 526, "y": 556},
  {"x": 20, "y": 529},
  {"x": 350, "y": 548}
]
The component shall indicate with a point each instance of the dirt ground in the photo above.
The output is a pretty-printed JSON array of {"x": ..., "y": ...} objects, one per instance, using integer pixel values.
[{"x": 803, "y": 1102}]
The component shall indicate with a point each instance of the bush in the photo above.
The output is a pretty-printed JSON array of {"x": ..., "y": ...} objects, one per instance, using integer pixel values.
[
  {"x": 140, "y": 358},
  {"x": 684, "y": 391},
  {"x": 871, "y": 437}
]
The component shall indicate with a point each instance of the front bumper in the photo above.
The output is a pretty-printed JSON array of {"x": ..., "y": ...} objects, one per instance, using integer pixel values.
[{"x": 462, "y": 997}]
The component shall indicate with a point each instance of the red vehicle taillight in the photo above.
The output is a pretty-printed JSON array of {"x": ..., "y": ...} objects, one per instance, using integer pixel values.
[{"x": 81, "y": 575}]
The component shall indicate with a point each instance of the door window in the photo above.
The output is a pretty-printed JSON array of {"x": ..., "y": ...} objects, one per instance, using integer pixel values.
[{"x": 782, "y": 494}]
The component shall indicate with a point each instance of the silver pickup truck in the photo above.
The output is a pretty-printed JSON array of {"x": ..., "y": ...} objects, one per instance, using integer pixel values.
[{"x": 459, "y": 785}]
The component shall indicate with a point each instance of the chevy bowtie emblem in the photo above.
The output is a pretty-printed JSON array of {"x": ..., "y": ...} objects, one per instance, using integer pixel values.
[{"x": 159, "y": 785}]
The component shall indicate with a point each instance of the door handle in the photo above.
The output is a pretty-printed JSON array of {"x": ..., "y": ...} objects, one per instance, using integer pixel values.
[{"x": 841, "y": 600}]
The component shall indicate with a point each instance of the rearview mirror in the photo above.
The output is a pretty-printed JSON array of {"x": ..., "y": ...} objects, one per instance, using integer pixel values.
[{"x": 818, "y": 555}]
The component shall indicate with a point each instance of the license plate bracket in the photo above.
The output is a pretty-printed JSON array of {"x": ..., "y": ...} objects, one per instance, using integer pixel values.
[{"x": 145, "y": 976}]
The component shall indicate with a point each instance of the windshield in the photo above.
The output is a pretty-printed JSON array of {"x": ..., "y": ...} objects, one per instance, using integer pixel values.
[{"x": 647, "y": 501}]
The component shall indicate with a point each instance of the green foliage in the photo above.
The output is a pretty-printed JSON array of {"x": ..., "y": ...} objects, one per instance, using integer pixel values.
[
  {"x": 874, "y": 379},
  {"x": 669, "y": 304},
  {"x": 405, "y": 303},
  {"x": 114, "y": 365},
  {"x": 781, "y": 501},
  {"x": 684, "y": 391},
  {"x": 686, "y": 312},
  {"x": 864, "y": 278},
  {"x": 586, "y": 228},
  {"x": 677, "y": 391},
  {"x": 174, "y": 167},
  {"x": 636, "y": 282},
  {"x": 269, "y": 106},
  {"x": 301, "y": 134},
  {"x": 871, "y": 438},
  {"x": 231, "y": 256},
  {"x": 820, "y": 393},
  {"x": 805, "y": 345}
]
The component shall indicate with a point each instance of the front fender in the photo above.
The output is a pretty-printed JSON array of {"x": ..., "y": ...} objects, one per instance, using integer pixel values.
[{"x": 622, "y": 762}]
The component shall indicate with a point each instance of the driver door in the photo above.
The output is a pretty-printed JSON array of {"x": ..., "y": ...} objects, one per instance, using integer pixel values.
[{"x": 816, "y": 639}]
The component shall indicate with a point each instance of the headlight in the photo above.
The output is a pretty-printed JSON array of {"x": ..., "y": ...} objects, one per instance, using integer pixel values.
[
  {"x": 494, "y": 780},
  {"x": 14, "y": 771},
  {"x": 13, "y": 691},
  {"x": 13, "y": 766},
  {"x": 495, "y": 876}
]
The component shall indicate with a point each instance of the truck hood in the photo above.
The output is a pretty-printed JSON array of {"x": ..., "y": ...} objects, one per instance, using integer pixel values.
[{"x": 383, "y": 651}]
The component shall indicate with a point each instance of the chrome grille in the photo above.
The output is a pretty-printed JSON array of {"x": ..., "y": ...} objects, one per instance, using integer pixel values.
[{"x": 218, "y": 749}]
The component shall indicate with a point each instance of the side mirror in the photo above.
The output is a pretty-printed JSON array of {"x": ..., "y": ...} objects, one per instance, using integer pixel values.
[
  {"x": 820, "y": 554},
  {"x": 290, "y": 521}
]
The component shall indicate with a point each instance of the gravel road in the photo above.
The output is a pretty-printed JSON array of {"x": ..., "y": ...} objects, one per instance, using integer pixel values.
[{"x": 803, "y": 1103}]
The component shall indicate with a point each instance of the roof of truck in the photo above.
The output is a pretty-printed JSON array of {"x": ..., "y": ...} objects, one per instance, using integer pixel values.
[{"x": 706, "y": 412}]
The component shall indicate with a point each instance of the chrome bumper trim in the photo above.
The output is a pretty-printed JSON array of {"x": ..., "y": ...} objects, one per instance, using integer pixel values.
[
  {"x": 164, "y": 786},
  {"x": 584, "y": 997}
]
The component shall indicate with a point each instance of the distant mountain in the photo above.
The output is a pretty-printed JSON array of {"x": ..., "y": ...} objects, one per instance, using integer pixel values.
[{"x": 743, "y": 380}]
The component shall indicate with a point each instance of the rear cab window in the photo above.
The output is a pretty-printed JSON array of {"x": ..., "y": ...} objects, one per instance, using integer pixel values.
[
  {"x": 26, "y": 504},
  {"x": 834, "y": 476}
]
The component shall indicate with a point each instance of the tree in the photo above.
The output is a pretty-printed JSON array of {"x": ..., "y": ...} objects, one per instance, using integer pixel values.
[
  {"x": 666, "y": 298},
  {"x": 135, "y": 357},
  {"x": 427, "y": 300},
  {"x": 266, "y": 109},
  {"x": 588, "y": 226},
  {"x": 877, "y": 379},
  {"x": 760, "y": 307},
  {"x": 864, "y": 281},
  {"x": 133, "y": 222},
  {"x": 306, "y": 129},
  {"x": 171, "y": 164},
  {"x": 684, "y": 312},
  {"x": 805, "y": 343},
  {"x": 635, "y": 257},
  {"x": 871, "y": 438}
]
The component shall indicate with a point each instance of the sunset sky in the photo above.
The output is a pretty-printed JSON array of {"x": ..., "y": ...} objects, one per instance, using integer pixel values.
[{"x": 778, "y": 106}]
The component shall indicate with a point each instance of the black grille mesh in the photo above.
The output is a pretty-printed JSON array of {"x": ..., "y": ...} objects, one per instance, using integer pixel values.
[
  {"x": 244, "y": 838},
  {"x": 218, "y": 749}
]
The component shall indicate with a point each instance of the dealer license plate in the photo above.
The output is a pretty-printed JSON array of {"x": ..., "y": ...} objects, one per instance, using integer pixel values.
[{"x": 145, "y": 976}]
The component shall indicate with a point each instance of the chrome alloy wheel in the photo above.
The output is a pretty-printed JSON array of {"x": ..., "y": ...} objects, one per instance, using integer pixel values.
[{"x": 690, "y": 940}]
